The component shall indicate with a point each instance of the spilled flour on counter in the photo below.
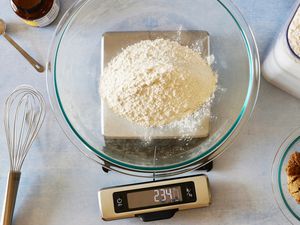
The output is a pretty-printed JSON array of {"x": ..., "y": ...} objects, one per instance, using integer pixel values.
[{"x": 154, "y": 83}]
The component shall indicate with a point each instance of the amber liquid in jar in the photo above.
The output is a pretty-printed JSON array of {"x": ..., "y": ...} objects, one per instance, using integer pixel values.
[{"x": 36, "y": 12}]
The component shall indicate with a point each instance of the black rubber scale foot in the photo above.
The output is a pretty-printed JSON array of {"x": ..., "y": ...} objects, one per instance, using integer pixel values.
[
  {"x": 207, "y": 167},
  {"x": 161, "y": 215}
]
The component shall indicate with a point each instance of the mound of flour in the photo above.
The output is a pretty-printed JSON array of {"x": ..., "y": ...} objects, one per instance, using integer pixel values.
[{"x": 154, "y": 83}]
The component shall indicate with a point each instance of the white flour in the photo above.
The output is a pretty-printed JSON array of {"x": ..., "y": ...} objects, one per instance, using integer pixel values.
[
  {"x": 294, "y": 33},
  {"x": 154, "y": 83}
]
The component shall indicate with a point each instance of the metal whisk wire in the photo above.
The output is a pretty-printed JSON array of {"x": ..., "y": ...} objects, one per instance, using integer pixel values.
[
  {"x": 24, "y": 115},
  {"x": 23, "y": 118}
]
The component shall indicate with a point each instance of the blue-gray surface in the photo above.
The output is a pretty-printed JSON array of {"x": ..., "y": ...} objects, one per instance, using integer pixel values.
[{"x": 59, "y": 185}]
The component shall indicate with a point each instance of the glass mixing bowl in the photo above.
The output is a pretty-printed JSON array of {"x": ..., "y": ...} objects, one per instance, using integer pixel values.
[
  {"x": 287, "y": 204},
  {"x": 73, "y": 73}
]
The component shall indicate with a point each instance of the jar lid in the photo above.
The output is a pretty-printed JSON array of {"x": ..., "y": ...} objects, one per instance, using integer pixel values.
[{"x": 293, "y": 30}]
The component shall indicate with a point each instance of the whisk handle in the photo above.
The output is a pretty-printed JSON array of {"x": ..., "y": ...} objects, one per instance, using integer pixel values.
[{"x": 10, "y": 197}]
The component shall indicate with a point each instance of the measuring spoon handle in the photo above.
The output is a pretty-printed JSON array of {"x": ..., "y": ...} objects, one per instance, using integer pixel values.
[{"x": 31, "y": 60}]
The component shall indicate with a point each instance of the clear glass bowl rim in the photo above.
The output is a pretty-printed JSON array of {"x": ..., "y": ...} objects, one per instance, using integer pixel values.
[
  {"x": 277, "y": 166},
  {"x": 201, "y": 159}
]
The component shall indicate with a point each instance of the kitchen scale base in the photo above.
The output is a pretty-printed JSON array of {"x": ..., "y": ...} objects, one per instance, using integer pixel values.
[{"x": 207, "y": 167}]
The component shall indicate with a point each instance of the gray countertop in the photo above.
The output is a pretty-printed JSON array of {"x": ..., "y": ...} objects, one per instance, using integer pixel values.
[{"x": 59, "y": 185}]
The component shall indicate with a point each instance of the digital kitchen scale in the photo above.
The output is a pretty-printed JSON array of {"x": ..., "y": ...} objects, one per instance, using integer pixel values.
[
  {"x": 154, "y": 200},
  {"x": 92, "y": 33},
  {"x": 157, "y": 199}
]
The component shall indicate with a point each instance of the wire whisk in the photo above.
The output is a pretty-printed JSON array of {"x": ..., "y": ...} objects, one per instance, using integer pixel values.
[{"x": 23, "y": 117}]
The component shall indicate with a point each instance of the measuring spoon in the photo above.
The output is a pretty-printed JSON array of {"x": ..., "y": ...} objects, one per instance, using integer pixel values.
[{"x": 31, "y": 60}]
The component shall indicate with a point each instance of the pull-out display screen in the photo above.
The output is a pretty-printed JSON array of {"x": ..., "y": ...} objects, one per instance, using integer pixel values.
[{"x": 155, "y": 196}]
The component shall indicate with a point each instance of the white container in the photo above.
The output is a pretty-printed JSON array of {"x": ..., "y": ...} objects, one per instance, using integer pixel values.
[{"x": 282, "y": 66}]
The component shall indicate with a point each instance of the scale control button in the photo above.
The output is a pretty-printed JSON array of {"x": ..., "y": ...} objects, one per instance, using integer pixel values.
[
  {"x": 189, "y": 193},
  {"x": 119, "y": 202}
]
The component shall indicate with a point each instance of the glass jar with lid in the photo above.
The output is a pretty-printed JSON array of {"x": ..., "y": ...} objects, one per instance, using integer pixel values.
[
  {"x": 38, "y": 13},
  {"x": 282, "y": 64}
]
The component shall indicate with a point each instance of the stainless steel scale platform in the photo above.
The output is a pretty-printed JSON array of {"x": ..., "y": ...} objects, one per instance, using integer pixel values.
[{"x": 115, "y": 127}]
